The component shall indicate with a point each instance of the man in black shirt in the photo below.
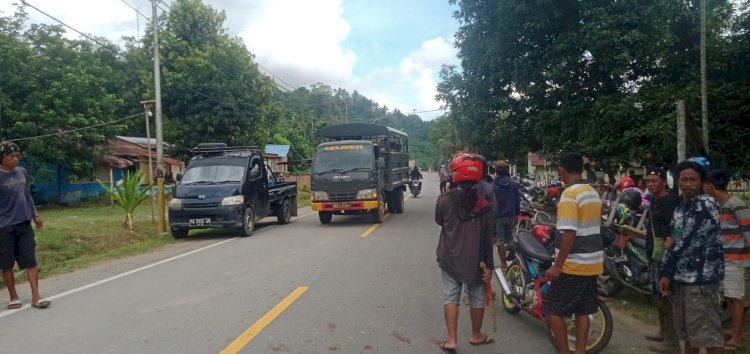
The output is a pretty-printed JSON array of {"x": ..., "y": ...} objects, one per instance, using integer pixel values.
[{"x": 663, "y": 204}]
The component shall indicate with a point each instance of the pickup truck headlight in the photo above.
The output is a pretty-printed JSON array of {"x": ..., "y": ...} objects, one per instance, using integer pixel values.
[
  {"x": 321, "y": 196},
  {"x": 233, "y": 200},
  {"x": 175, "y": 203},
  {"x": 367, "y": 194}
]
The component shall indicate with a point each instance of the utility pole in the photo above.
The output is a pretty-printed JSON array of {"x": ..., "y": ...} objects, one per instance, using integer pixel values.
[
  {"x": 146, "y": 112},
  {"x": 159, "y": 141},
  {"x": 681, "y": 146},
  {"x": 704, "y": 90}
]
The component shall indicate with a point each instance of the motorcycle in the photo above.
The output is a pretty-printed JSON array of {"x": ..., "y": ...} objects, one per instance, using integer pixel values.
[
  {"x": 524, "y": 286},
  {"x": 625, "y": 256},
  {"x": 415, "y": 186}
]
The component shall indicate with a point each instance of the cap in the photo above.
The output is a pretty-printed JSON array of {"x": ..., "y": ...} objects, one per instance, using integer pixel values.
[
  {"x": 658, "y": 171},
  {"x": 7, "y": 148}
]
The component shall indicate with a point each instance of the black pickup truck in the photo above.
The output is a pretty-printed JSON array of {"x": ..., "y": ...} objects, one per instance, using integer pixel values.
[{"x": 229, "y": 187}]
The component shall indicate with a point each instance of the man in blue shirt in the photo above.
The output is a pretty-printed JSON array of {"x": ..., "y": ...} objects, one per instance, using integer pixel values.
[
  {"x": 17, "y": 210},
  {"x": 508, "y": 208},
  {"x": 694, "y": 263}
]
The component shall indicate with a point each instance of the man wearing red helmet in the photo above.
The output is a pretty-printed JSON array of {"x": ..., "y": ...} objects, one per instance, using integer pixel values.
[{"x": 465, "y": 241}]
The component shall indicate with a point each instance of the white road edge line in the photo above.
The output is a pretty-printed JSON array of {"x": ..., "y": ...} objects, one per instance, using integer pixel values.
[{"x": 118, "y": 276}]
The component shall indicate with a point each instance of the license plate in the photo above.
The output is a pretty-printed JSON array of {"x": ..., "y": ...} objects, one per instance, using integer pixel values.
[
  {"x": 342, "y": 205},
  {"x": 199, "y": 222}
]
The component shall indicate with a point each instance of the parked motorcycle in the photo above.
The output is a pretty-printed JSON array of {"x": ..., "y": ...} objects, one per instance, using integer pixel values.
[
  {"x": 524, "y": 286},
  {"x": 415, "y": 186},
  {"x": 626, "y": 259}
]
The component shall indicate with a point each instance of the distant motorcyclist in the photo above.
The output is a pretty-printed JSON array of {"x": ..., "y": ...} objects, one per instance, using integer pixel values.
[{"x": 415, "y": 173}]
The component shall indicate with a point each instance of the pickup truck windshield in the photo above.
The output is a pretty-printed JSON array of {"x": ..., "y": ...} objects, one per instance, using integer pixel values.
[
  {"x": 342, "y": 158},
  {"x": 213, "y": 174}
]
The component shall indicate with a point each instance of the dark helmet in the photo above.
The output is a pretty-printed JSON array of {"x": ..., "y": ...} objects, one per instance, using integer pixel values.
[{"x": 631, "y": 198}]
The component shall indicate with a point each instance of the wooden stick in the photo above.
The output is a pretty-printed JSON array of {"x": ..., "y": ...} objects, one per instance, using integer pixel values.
[{"x": 491, "y": 299}]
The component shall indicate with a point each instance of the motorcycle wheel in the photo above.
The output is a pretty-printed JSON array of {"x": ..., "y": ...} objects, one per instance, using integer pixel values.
[
  {"x": 607, "y": 285},
  {"x": 515, "y": 281},
  {"x": 600, "y": 330}
]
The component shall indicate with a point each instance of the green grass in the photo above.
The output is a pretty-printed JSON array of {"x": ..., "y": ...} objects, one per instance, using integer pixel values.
[
  {"x": 73, "y": 238},
  {"x": 303, "y": 197},
  {"x": 642, "y": 308}
]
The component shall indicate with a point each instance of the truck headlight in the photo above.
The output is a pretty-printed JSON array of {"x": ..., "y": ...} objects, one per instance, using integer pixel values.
[
  {"x": 233, "y": 200},
  {"x": 318, "y": 195},
  {"x": 367, "y": 194},
  {"x": 175, "y": 203}
]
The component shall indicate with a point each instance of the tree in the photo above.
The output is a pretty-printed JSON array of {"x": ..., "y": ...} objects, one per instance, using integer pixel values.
[{"x": 129, "y": 193}]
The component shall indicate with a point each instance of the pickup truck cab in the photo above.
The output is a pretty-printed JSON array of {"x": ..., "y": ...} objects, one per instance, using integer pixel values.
[{"x": 229, "y": 187}]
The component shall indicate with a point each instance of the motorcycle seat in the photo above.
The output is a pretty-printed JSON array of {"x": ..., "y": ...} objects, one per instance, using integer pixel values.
[
  {"x": 529, "y": 246},
  {"x": 639, "y": 242}
]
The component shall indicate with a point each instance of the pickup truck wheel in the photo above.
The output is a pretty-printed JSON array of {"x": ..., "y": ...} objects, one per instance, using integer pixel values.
[
  {"x": 248, "y": 222},
  {"x": 378, "y": 215},
  {"x": 325, "y": 217},
  {"x": 179, "y": 233},
  {"x": 284, "y": 212},
  {"x": 398, "y": 201}
]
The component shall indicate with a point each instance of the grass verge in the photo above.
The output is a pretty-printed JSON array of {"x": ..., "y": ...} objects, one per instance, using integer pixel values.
[{"x": 76, "y": 237}]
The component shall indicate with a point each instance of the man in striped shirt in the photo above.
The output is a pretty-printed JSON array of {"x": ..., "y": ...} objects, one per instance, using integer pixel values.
[
  {"x": 735, "y": 235},
  {"x": 579, "y": 256}
]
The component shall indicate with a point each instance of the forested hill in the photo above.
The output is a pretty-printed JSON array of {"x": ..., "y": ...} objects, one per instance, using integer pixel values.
[{"x": 306, "y": 110}]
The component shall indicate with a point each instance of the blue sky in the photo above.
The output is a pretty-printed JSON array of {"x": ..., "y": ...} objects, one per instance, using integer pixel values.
[{"x": 388, "y": 50}]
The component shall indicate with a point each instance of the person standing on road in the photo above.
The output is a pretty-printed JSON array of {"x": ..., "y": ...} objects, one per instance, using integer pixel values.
[
  {"x": 694, "y": 263},
  {"x": 443, "y": 175},
  {"x": 465, "y": 241},
  {"x": 17, "y": 210},
  {"x": 663, "y": 205},
  {"x": 579, "y": 256},
  {"x": 735, "y": 234},
  {"x": 508, "y": 208}
]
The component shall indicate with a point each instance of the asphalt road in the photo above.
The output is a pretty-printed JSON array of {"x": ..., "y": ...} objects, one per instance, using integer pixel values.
[{"x": 349, "y": 294}]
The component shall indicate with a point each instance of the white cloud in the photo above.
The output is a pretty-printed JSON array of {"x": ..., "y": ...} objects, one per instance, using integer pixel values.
[
  {"x": 416, "y": 78},
  {"x": 303, "y": 39}
]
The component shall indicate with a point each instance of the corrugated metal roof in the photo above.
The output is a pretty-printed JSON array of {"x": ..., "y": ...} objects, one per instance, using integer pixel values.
[
  {"x": 279, "y": 150},
  {"x": 138, "y": 141}
]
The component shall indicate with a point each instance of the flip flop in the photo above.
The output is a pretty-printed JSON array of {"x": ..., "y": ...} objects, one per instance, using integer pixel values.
[
  {"x": 41, "y": 304},
  {"x": 447, "y": 350},
  {"x": 731, "y": 346},
  {"x": 486, "y": 340},
  {"x": 14, "y": 304}
]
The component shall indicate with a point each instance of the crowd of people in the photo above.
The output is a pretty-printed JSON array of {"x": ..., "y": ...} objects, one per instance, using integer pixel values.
[{"x": 698, "y": 245}]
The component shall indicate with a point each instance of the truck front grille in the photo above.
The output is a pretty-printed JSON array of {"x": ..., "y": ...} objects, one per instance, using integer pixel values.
[{"x": 342, "y": 197}]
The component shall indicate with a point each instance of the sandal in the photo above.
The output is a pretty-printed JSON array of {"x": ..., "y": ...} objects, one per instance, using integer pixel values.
[
  {"x": 446, "y": 349},
  {"x": 14, "y": 304},
  {"x": 41, "y": 304},
  {"x": 485, "y": 340}
]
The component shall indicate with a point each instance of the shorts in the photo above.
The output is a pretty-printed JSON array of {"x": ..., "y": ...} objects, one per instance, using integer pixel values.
[
  {"x": 17, "y": 245},
  {"x": 571, "y": 295},
  {"x": 452, "y": 292},
  {"x": 504, "y": 230},
  {"x": 734, "y": 282},
  {"x": 697, "y": 318}
]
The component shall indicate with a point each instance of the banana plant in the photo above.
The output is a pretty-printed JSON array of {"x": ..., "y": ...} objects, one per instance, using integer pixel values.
[{"x": 128, "y": 194}]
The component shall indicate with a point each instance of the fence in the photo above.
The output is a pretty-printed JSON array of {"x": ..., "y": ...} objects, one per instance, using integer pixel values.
[{"x": 301, "y": 181}]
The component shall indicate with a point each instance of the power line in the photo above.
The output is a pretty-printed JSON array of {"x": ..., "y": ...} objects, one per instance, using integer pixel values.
[
  {"x": 136, "y": 10},
  {"x": 79, "y": 129}
]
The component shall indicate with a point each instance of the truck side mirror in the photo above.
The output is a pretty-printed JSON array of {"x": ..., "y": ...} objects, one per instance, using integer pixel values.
[
  {"x": 255, "y": 173},
  {"x": 179, "y": 177},
  {"x": 381, "y": 162}
]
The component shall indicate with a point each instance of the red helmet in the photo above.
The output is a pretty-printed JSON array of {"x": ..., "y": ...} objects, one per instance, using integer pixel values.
[
  {"x": 542, "y": 233},
  {"x": 625, "y": 182},
  {"x": 466, "y": 167},
  {"x": 553, "y": 191}
]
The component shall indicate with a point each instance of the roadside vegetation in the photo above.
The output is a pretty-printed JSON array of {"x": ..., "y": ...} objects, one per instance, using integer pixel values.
[{"x": 74, "y": 237}]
